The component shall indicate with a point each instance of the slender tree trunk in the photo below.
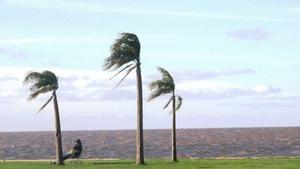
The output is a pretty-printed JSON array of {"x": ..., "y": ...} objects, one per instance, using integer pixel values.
[
  {"x": 174, "y": 150},
  {"x": 139, "y": 130},
  {"x": 59, "y": 153}
]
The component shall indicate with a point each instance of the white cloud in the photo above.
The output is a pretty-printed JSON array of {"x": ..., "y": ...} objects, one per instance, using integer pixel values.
[
  {"x": 93, "y": 85},
  {"x": 219, "y": 90},
  {"x": 262, "y": 89},
  {"x": 85, "y": 96},
  {"x": 203, "y": 75},
  {"x": 74, "y": 85},
  {"x": 205, "y": 85}
]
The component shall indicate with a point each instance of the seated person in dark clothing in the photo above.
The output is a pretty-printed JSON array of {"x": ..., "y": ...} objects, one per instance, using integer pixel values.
[{"x": 75, "y": 151}]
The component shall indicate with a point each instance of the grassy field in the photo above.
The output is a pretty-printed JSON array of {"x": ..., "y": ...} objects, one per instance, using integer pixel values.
[{"x": 278, "y": 163}]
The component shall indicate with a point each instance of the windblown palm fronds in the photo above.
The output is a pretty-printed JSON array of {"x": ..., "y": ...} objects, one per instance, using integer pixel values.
[
  {"x": 164, "y": 86},
  {"x": 40, "y": 83},
  {"x": 125, "y": 56},
  {"x": 43, "y": 82},
  {"x": 161, "y": 87},
  {"x": 124, "y": 51}
]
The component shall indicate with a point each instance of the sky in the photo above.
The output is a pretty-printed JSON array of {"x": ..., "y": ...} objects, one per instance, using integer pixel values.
[{"x": 234, "y": 62}]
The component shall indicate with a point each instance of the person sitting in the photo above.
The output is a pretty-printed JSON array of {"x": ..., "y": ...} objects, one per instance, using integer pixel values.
[{"x": 75, "y": 152}]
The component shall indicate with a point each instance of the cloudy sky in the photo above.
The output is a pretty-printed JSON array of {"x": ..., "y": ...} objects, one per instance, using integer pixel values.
[{"x": 236, "y": 63}]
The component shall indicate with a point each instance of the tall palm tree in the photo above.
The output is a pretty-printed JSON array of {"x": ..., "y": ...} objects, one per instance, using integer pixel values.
[
  {"x": 125, "y": 56},
  {"x": 162, "y": 87},
  {"x": 44, "y": 82}
]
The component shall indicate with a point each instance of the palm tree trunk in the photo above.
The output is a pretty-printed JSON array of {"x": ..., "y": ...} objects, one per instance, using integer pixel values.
[
  {"x": 139, "y": 130},
  {"x": 174, "y": 150},
  {"x": 59, "y": 153}
]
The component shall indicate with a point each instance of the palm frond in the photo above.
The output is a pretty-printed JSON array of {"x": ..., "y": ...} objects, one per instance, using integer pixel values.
[
  {"x": 154, "y": 94},
  {"x": 31, "y": 77},
  {"x": 166, "y": 76},
  {"x": 168, "y": 103},
  {"x": 163, "y": 86},
  {"x": 47, "y": 102},
  {"x": 157, "y": 84},
  {"x": 128, "y": 72},
  {"x": 43, "y": 89},
  {"x": 178, "y": 102},
  {"x": 120, "y": 71},
  {"x": 125, "y": 49},
  {"x": 40, "y": 82}
]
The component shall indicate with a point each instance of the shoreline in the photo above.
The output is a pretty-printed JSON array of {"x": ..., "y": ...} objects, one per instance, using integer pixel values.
[{"x": 209, "y": 128}]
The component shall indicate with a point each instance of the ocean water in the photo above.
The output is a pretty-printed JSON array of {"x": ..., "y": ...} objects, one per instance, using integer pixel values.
[{"x": 232, "y": 142}]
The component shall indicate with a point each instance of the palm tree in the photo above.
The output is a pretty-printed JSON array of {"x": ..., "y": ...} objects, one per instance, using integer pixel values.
[
  {"x": 44, "y": 82},
  {"x": 167, "y": 86},
  {"x": 125, "y": 55}
]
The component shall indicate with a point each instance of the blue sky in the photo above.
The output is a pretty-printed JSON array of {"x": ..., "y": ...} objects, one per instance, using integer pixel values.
[{"x": 235, "y": 62}]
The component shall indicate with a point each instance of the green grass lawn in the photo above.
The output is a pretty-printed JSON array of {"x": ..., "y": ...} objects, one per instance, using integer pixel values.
[{"x": 279, "y": 163}]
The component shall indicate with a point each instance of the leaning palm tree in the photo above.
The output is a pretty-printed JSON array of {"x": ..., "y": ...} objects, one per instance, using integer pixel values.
[
  {"x": 44, "y": 82},
  {"x": 167, "y": 86},
  {"x": 125, "y": 56}
]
